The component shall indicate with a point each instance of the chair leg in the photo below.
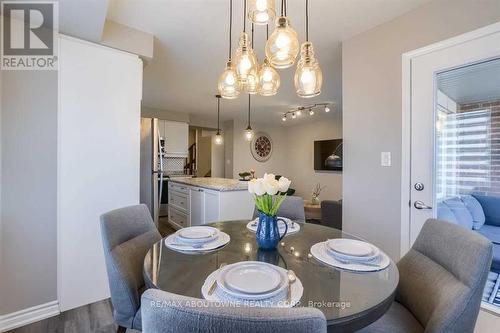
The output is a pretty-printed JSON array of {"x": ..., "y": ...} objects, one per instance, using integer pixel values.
[{"x": 121, "y": 329}]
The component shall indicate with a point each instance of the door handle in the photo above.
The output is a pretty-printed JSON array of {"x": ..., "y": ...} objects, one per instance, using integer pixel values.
[{"x": 420, "y": 205}]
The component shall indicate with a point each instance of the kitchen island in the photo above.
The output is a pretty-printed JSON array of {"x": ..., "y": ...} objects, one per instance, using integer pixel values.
[{"x": 198, "y": 201}]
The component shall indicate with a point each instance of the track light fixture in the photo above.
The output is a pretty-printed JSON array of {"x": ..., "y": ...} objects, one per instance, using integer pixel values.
[{"x": 309, "y": 108}]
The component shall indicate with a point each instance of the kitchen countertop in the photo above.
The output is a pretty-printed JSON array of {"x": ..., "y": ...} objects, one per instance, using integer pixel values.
[{"x": 217, "y": 184}]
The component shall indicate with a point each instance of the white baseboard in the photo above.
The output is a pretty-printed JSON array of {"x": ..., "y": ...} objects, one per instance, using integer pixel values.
[{"x": 28, "y": 316}]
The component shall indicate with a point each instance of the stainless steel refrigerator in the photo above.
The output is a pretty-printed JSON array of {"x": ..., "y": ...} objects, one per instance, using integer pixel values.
[{"x": 152, "y": 166}]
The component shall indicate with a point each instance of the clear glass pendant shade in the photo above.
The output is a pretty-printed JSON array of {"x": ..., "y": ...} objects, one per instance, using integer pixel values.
[
  {"x": 249, "y": 134},
  {"x": 261, "y": 12},
  {"x": 246, "y": 62},
  {"x": 229, "y": 86},
  {"x": 218, "y": 139},
  {"x": 282, "y": 46},
  {"x": 252, "y": 85},
  {"x": 269, "y": 80},
  {"x": 308, "y": 76}
]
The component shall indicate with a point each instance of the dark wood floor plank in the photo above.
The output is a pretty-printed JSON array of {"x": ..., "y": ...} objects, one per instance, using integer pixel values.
[{"x": 93, "y": 318}]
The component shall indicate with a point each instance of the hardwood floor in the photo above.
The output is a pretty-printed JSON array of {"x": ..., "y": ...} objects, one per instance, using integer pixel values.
[
  {"x": 92, "y": 318},
  {"x": 164, "y": 227}
]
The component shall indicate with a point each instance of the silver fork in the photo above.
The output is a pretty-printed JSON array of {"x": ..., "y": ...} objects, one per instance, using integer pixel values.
[{"x": 214, "y": 283}]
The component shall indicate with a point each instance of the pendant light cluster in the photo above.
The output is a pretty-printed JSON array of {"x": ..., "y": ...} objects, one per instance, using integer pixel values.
[{"x": 244, "y": 74}]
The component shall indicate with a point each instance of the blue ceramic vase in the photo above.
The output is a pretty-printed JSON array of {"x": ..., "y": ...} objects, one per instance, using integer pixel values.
[{"x": 268, "y": 235}]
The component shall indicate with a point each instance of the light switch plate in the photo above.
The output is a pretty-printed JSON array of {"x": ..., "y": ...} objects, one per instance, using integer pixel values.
[{"x": 385, "y": 159}]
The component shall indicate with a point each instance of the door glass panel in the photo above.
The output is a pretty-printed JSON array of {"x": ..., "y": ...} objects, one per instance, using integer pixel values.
[{"x": 467, "y": 149}]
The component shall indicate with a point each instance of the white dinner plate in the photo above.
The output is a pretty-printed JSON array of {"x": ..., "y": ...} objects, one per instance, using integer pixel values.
[
  {"x": 321, "y": 252},
  {"x": 172, "y": 242},
  {"x": 198, "y": 234},
  {"x": 250, "y": 277},
  {"x": 350, "y": 247},
  {"x": 278, "y": 298}
]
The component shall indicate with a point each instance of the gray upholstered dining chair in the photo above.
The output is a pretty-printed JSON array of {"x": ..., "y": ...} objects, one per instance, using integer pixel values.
[
  {"x": 127, "y": 235},
  {"x": 163, "y": 312},
  {"x": 441, "y": 282},
  {"x": 331, "y": 214},
  {"x": 292, "y": 208}
]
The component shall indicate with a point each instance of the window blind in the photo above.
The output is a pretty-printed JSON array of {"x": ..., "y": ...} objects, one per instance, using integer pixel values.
[{"x": 468, "y": 152}]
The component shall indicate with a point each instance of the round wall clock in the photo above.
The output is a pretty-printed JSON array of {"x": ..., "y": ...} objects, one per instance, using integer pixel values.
[{"x": 261, "y": 147}]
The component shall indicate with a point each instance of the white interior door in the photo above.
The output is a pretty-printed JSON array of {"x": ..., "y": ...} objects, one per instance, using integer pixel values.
[{"x": 473, "y": 49}]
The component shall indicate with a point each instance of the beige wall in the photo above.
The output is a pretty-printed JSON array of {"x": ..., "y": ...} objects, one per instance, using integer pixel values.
[
  {"x": 227, "y": 132},
  {"x": 217, "y": 160},
  {"x": 29, "y": 183},
  {"x": 204, "y": 153},
  {"x": 372, "y": 110},
  {"x": 293, "y": 152},
  {"x": 243, "y": 159},
  {"x": 300, "y": 152}
]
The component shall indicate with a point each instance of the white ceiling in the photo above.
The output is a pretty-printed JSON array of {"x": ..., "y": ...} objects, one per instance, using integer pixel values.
[
  {"x": 192, "y": 40},
  {"x": 83, "y": 19},
  {"x": 471, "y": 84}
]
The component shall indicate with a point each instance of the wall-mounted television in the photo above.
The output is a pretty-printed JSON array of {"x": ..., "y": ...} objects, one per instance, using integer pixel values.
[{"x": 328, "y": 155}]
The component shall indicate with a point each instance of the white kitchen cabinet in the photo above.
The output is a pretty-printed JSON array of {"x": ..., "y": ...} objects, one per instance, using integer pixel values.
[
  {"x": 211, "y": 206},
  {"x": 197, "y": 206},
  {"x": 175, "y": 134},
  {"x": 192, "y": 205}
]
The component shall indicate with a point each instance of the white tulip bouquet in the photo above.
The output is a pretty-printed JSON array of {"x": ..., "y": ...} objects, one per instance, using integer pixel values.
[{"x": 263, "y": 190}]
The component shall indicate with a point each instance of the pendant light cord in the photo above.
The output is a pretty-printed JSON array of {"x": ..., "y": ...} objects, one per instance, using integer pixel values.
[
  {"x": 249, "y": 105},
  {"x": 282, "y": 7},
  {"x": 252, "y": 35},
  {"x": 244, "y": 15},
  {"x": 230, "y": 27},
  {"x": 218, "y": 114},
  {"x": 307, "y": 20},
  {"x": 285, "y": 7}
]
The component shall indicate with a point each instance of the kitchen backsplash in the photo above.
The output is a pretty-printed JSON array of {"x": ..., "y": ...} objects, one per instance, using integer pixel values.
[{"x": 174, "y": 165}]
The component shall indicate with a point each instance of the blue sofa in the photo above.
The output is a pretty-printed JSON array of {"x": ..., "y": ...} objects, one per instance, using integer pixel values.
[{"x": 476, "y": 212}]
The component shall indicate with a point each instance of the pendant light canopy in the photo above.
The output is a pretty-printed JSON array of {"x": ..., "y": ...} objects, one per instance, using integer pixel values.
[
  {"x": 229, "y": 85},
  {"x": 282, "y": 47},
  {"x": 269, "y": 79},
  {"x": 249, "y": 131},
  {"x": 218, "y": 137},
  {"x": 261, "y": 12},
  {"x": 246, "y": 61},
  {"x": 308, "y": 76}
]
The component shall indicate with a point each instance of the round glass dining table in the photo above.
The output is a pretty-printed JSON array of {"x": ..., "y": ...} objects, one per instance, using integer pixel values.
[{"x": 349, "y": 300}]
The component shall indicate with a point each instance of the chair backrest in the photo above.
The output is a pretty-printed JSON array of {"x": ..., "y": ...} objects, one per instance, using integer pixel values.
[
  {"x": 442, "y": 277},
  {"x": 127, "y": 234},
  {"x": 163, "y": 312},
  {"x": 331, "y": 214},
  {"x": 292, "y": 208}
]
